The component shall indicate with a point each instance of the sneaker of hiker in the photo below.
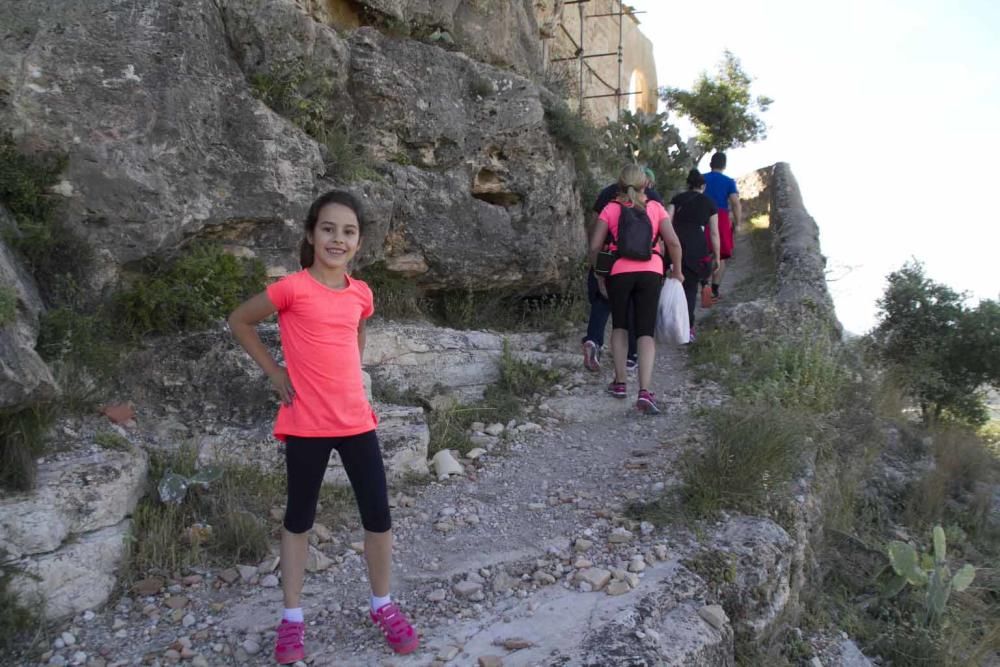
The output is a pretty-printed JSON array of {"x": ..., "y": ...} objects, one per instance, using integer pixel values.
[{"x": 591, "y": 356}]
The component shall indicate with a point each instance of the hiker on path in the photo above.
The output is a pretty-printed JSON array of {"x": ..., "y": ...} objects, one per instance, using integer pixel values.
[
  {"x": 722, "y": 190},
  {"x": 321, "y": 316},
  {"x": 635, "y": 225},
  {"x": 600, "y": 308},
  {"x": 695, "y": 217}
]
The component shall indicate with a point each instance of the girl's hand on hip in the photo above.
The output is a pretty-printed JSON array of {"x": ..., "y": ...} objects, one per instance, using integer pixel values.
[
  {"x": 282, "y": 385},
  {"x": 602, "y": 286},
  {"x": 677, "y": 275}
]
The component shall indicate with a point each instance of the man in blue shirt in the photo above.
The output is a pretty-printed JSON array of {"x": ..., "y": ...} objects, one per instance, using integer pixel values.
[{"x": 722, "y": 190}]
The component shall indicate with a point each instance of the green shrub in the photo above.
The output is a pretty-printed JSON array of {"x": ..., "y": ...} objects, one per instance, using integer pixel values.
[
  {"x": 8, "y": 305},
  {"x": 396, "y": 296},
  {"x": 201, "y": 286},
  {"x": 754, "y": 452},
  {"x": 300, "y": 91},
  {"x": 15, "y": 618},
  {"x": 234, "y": 506},
  {"x": 806, "y": 372},
  {"x": 22, "y": 441},
  {"x": 943, "y": 352}
]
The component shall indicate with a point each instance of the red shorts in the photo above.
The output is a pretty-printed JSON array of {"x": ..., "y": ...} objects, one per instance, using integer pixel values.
[{"x": 725, "y": 235}]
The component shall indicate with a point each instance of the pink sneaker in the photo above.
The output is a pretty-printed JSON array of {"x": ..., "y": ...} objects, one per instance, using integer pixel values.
[
  {"x": 289, "y": 645},
  {"x": 647, "y": 403},
  {"x": 397, "y": 629},
  {"x": 591, "y": 356}
]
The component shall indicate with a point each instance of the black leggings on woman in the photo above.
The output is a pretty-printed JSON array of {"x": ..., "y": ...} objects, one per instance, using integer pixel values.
[
  {"x": 643, "y": 288},
  {"x": 691, "y": 284},
  {"x": 306, "y": 460}
]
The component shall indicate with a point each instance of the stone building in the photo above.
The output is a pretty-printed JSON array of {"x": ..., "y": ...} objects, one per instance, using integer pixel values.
[{"x": 606, "y": 24}]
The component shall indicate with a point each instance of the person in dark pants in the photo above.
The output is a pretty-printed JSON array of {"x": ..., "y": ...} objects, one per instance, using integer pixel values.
[
  {"x": 600, "y": 307},
  {"x": 696, "y": 222}
]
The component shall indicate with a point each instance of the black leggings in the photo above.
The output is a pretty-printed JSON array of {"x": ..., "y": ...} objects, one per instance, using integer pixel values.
[
  {"x": 691, "y": 284},
  {"x": 643, "y": 288},
  {"x": 306, "y": 460}
]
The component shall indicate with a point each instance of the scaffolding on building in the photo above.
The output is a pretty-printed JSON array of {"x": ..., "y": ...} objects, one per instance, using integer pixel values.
[{"x": 582, "y": 56}]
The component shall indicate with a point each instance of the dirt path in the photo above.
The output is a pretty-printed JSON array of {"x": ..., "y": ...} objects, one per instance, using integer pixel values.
[{"x": 497, "y": 563}]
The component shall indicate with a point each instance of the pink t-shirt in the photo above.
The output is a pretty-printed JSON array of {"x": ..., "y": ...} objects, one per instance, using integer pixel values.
[
  {"x": 657, "y": 214},
  {"x": 319, "y": 337}
]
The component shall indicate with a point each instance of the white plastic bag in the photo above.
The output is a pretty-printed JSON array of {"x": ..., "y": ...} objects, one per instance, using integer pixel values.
[{"x": 672, "y": 325}]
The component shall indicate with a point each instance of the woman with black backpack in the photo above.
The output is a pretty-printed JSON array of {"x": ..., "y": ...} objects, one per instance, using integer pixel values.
[
  {"x": 634, "y": 227},
  {"x": 692, "y": 212}
]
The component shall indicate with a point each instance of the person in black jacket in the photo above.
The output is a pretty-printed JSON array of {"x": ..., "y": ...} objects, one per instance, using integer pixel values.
[
  {"x": 693, "y": 212},
  {"x": 600, "y": 307}
]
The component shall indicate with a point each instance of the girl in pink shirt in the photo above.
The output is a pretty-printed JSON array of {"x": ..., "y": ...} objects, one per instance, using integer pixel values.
[{"x": 321, "y": 316}]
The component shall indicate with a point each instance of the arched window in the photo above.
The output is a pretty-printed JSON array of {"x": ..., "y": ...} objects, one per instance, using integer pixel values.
[{"x": 637, "y": 84}]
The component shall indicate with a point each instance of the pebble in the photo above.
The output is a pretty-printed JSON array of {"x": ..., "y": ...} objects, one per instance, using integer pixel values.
[
  {"x": 437, "y": 595},
  {"x": 88, "y": 615},
  {"x": 448, "y": 653},
  {"x": 251, "y": 647},
  {"x": 467, "y": 588},
  {"x": 58, "y": 660},
  {"x": 68, "y": 638},
  {"x": 188, "y": 621},
  {"x": 270, "y": 581}
]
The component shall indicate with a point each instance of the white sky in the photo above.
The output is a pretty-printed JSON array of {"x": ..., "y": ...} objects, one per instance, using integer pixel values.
[{"x": 889, "y": 114}]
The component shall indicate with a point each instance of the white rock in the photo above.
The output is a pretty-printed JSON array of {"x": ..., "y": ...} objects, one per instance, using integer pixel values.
[
  {"x": 494, "y": 429},
  {"x": 714, "y": 615},
  {"x": 446, "y": 465},
  {"x": 437, "y": 595},
  {"x": 252, "y": 647},
  {"x": 596, "y": 577},
  {"x": 467, "y": 588},
  {"x": 620, "y": 536},
  {"x": 475, "y": 453},
  {"x": 270, "y": 581}
]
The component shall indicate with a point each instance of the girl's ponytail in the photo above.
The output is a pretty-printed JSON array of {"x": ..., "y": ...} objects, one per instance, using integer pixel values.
[
  {"x": 307, "y": 254},
  {"x": 632, "y": 183}
]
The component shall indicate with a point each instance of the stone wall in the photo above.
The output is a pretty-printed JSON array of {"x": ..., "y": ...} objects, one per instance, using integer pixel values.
[
  {"x": 561, "y": 25},
  {"x": 801, "y": 296}
]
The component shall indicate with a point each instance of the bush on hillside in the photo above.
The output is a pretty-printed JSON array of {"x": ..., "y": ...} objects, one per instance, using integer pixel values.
[{"x": 943, "y": 352}]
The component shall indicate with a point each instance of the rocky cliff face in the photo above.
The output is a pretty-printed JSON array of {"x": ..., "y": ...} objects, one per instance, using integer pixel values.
[{"x": 154, "y": 106}]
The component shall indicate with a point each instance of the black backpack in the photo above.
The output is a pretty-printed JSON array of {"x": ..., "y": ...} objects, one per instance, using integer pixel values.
[{"x": 635, "y": 234}]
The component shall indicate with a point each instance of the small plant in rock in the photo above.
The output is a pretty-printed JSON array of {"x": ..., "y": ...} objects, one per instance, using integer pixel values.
[
  {"x": 15, "y": 617},
  {"x": 22, "y": 441},
  {"x": 113, "y": 441},
  {"x": 930, "y": 570},
  {"x": 8, "y": 305}
]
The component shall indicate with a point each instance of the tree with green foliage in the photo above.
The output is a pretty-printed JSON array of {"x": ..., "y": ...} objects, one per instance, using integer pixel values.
[
  {"x": 941, "y": 351},
  {"x": 721, "y": 107},
  {"x": 649, "y": 139}
]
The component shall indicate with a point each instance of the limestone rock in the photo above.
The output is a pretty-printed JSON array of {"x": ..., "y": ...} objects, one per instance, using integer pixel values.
[
  {"x": 714, "y": 615},
  {"x": 79, "y": 576},
  {"x": 445, "y": 465},
  {"x": 76, "y": 493},
  {"x": 596, "y": 577},
  {"x": 24, "y": 377},
  {"x": 464, "y": 362}
]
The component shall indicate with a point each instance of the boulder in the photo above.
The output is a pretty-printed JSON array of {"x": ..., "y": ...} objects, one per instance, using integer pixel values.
[
  {"x": 24, "y": 377},
  {"x": 163, "y": 136},
  {"x": 464, "y": 363},
  {"x": 166, "y": 140},
  {"x": 76, "y": 493},
  {"x": 79, "y": 576}
]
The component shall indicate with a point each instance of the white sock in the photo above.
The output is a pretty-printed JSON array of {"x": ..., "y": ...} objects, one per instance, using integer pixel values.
[
  {"x": 379, "y": 602},
  {"x": 293, "y": 615}
]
